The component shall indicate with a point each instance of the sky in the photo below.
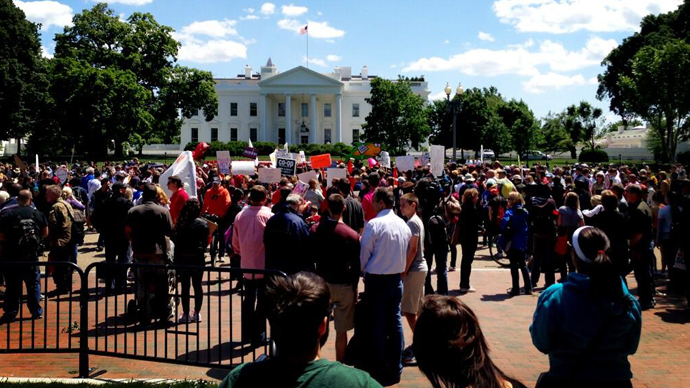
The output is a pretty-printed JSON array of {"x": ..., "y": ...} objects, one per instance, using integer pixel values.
[{"x": 545, "y": 52}]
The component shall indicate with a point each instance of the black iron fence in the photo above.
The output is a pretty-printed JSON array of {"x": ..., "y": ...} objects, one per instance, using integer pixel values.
[{"x": 137, "y": 310}]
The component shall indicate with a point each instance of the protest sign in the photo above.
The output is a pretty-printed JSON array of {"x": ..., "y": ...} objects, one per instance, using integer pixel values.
[
  {"x": 281, "y": 153},
  {"x": 250, "y": 152},
  {"x": 62, "y": 175},
  {"x": 384, "y": 159},
  {"x": 333, "y": 173},
  {"x": 185, "y": 169},
  {"x": 307, "y": 176},
  {"x": 272, "y": 157},
  {"x": 36, "y": 164},
  {"x": 438, "y": 159},
  {"x": 302, "y": 158},
  {"x": 223, "y": 161},
  {"x": 321, "y": 161},
  {"x": 286, "y": 166},
  {"x": 269, "y": 175},
  {"x": 300, "y": 188},
  {"x": 22, "y": 166},
  {"x": 242, "y": 167},
  {"x": 405, "y": 163}
]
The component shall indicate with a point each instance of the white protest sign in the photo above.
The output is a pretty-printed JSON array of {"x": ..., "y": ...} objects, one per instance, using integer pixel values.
[
  {"x": 62, "y": 175},
  {"x": 242, "y": 167},
  {"x": 272, "y": 157},
  {"x": 223, "y": 161},
  {"x": 269, "y": 175},
  {"x": 36, "y": 163},
  {"x": 333, "y": 173},
  {"x": 300, "y": 188},
  {"x": 404, "y": 163},
  {"x": 438, "y": 159},
  {"x": 307, "y": 176},
  {"x": 385, "y": 159},
  {"x": 302, "y": 158},
  {"x": 185, "y": 169},
  {"x": 281, "y": 153}
]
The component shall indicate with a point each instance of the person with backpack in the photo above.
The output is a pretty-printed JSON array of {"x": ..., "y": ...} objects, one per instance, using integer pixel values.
[
  {"x": 60, "y": 220},
  {"x": 22, "y": 230},
  {"x": 514, "y": 239},
  {"x": 115, "y": 212},
  {"x": 77, "y": 224},
  {"x": 543, "y": 221}
]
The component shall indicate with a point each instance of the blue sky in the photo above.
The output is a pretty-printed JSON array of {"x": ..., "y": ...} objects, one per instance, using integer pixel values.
[{"x": 546, "y": 52}]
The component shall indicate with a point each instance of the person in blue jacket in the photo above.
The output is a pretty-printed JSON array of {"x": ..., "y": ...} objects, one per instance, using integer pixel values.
[
  {"x": 589, "y": 324},
  {"x": 514, "y": 230}
]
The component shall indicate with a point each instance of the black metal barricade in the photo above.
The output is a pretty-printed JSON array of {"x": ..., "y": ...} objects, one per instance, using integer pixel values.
[{"x": 139, "y": 319}]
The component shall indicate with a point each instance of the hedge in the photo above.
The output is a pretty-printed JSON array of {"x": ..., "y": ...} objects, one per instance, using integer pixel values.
[
  {"x": 593, "y": 156},
  {"x": 236, "y": 148}
]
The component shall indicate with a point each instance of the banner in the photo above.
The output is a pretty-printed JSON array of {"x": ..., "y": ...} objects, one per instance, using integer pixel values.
[
  {"x": 333, "y": 173},
  {"x": 404, "y": 163},
  {"x": 321, "y": 161},
  {"x": 250, "y": 152},
  {"x": 307, "y": 176},
  {"x": 384, "y": 159},
  {"x": 287, "y": 166},
  {"x": 185, "y": 169},
  {"x": 223, "y": 161},
  {"x": 438, "y": 159},
  {"x": 269, "y": 175},
  {"x": 243, "y": 168},
  {"x": 365, "y": 151}
]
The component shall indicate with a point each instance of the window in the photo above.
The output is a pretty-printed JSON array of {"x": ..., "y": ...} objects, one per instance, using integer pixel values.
[
  {"x": 252, "y": 109},
  {"x": 253, "y": 134},
  {"x": 355, "y": 135},
  {"x": 281, "y": 109},
  {"x": 327, "y": 110},
  {"x": 233, "y": 134},
  {"x": 304, "y": 140},
  {"x": 305, "y": 109},
  {"x": 195, "y": 135},
  {"x": 281, "y": 135},
  {"x": 355, "y": 110},
  {"x": 326, "y": 135},
  {"x": 214, "y": 134},
  {"x": 233, "y": 109}
]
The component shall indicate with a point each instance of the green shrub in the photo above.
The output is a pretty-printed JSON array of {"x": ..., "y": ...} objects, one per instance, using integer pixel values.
[
  {"x": 683, "y": 158},
  {"x": 593, "y": 156},
  {"x": 191, "y": 146}
]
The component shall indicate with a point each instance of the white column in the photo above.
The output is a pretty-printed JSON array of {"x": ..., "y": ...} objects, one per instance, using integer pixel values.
[
  {"x": 263, "y": 108},
  {"x": 338, "y": 118},
  {"x": 288, "y": 119},
  {"x": 313, "y": 129}
]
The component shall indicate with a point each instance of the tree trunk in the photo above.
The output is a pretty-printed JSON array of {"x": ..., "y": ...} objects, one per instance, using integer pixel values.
[
  {"x": 573, "y": 153},
  {"x": 19, "y": 145},
  {"x": 119, "y": 149}
]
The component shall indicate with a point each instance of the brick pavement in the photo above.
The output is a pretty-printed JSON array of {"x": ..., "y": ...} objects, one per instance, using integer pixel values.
[{"x": 661, "y": 360}]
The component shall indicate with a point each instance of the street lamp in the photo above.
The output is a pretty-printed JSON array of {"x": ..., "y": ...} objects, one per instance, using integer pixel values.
[{"x": 454, "y": 107}]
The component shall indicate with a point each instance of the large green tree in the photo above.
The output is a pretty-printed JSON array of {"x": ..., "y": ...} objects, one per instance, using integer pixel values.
[
  {"x": 440, "y": 123},
  {"x": 117, "y": 82},
  {"x": 645, "y": 74},
  {"x": 397, "y": 119},
  {"x": 23, "y": 79},
  {"x": 584, "y": 124},
  {"x": 553, "y": 137},
  {"x": 521, "y": 125}
]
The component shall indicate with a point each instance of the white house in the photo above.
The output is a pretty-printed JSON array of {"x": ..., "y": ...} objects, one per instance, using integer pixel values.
[{"x": 297, "y": 106}]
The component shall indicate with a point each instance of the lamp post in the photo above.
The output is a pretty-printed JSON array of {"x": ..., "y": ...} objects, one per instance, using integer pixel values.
[{"x": 454, "y": 107}]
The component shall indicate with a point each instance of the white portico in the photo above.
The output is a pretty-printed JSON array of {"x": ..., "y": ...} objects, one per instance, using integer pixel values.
[{"x": 297, "y": 106}]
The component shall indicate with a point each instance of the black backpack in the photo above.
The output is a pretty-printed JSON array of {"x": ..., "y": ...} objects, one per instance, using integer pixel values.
[{"x": 28, "y": 237}]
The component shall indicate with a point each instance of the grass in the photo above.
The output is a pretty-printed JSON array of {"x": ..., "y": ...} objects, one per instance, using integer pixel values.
[{"x": 131, "y": 384}]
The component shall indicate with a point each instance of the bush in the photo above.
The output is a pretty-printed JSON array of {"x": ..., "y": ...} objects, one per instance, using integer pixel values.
[
  {"x": 593, "y": 156},
  {"x": 683, "y": 158}
]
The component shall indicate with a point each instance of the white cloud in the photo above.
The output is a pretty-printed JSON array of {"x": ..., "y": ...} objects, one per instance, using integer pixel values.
[
  {"x": 249, "y": 10},
  {"x": 437, "y": 96},
  {"x": 319, "y": 13},
  {"x": 518, "y": 60},
  {"x": 333, "y": 58},
  {"x": 45, "y": 53},
  {"x": 131, "y": 2},
  {"x": 48, "y": 13},
  {"x": 212, "y": 28},
  {"x": 216, "y": 50},
  {"x": 293, "y": 10},
  {"x": 446, "y": 41},
  {"x": 486, "y": 36},
  {"x": 565, "y": 16},
  {"x": 249, "y": 17},
  {"x": 317, "y": 30},
  {"x": 268, "y": 9},
  {"x": 315, "y": 61},
  {"x": 553, "y": 81},
  {"x": 393, "y": 66}
]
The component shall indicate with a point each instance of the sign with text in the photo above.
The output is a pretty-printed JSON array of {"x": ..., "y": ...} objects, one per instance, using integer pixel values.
[
  {"x": 250, "y": 152},
  {"x": 333, "y": 173},
  {"x": 269, "y": 175},
  {"x": 62, "y": 175},
  {"x": 223, "y": 161},
  {"x": 321, "y": 161},
  {"x": 243, "y": 167},
  {"x": 302, "y": 158},
  {"x": 281, "y": 153},
  {"x": 405, "y": 163},
  {"x": 384, "y": 159},
  {"x": 307, "y": 176},
  {"x": 286, "y": 166},
  {"x": 301, "y": 188},
  {"x": 438, "y": 156}
]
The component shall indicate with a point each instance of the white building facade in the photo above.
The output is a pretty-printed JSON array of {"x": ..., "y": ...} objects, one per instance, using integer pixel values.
[{"x": 297, "y": 106}]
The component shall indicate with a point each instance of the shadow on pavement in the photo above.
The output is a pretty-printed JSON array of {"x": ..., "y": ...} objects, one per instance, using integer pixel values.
[{"x": 676, "y": 316}]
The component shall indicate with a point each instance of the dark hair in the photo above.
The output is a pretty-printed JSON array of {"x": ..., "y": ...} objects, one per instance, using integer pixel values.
[
  {"x": 609, "y": 200},
  {"x": 634, "y": 189},
  {"x": 149, "y": 192},
  {"x": 386, "y": 195},
  {"x": 296, "y": 306},
  {"x": 176, "y": 180},
  {"x": 257, "y": 193},
  {"x": 374, "y": 179},
  {"x": 450, "y": 347},
  {"x": 344, "y": 187},
  {"x": 190, "y": 211},
  {"x": 237, "y": 195},
  {"x": 336, "y": 204},
  {"x": 572, "y": 200},
  {"x": 606, "y": 282}
]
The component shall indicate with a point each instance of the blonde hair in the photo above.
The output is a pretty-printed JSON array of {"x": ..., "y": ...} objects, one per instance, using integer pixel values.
[
  {"x": 515, "y": 198},
  {"x": 161, "y": 197},
  {"x": 66, "y": 192},
  {"x": 129, "y": 194}
]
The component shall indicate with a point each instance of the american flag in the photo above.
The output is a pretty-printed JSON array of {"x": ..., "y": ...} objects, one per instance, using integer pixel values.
[{"x": 303, "y": 30}]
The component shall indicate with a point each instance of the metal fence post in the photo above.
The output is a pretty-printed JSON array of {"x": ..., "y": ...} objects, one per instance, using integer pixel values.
[{"x": 84, "y": 324}]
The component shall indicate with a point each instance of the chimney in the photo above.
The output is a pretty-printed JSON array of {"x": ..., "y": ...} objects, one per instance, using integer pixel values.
[
  {"x": 365, "y": 72},
  {"x": 247, "y": 72}
]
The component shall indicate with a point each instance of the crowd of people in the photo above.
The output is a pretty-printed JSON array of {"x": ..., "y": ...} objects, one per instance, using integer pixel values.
[{"x": 591, "y": 226}]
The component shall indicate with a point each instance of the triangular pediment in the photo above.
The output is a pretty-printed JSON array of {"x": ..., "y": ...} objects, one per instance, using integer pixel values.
[{"x": 300, "y": 76}]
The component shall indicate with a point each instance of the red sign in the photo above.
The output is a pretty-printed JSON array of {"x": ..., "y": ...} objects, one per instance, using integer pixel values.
[{"x": 321, "y": 161}]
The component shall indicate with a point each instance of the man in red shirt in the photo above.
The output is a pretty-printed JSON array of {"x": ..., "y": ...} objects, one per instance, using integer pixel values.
[
  {"x": 369, "y": 212},
  {"x": 275, "y": 199},
  {"x": 178, "y": 198}
]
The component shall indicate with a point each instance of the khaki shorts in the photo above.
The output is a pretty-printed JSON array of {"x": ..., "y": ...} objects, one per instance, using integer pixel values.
[
  {"x": 413, "y": 292},
  {"x": 343, "y": 296}
]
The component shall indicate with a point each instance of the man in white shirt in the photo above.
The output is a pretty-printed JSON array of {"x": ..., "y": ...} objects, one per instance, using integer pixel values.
[{"x": 383, "y": 257}]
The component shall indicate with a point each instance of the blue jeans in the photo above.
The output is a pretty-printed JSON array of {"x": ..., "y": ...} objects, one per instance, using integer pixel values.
[
  {"x": 253, "y": 314},
  {"x": 116, "y": 252},
  {"x": 644, "y": 266},
  {"x": 30, "y": 276},
  {"x": 441, "y": 257},
  {"x": 384, "y": 293}
]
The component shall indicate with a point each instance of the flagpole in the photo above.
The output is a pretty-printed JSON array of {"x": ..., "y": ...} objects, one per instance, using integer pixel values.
[{"x": 307, "y": 45}]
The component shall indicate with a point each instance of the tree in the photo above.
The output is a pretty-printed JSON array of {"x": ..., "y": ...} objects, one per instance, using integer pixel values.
[
  {"x": 397, "y": 119},
  {"x": 440, "y": 123},
  {"x": 553, "y": 137},
  {"x": 117, "y": 82},
  {"x": 639, "y": 71},
  {"x": 583, "y": 123},
  {"x": 521, "y": 125},
  {"x": 23, "y": 82}
]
